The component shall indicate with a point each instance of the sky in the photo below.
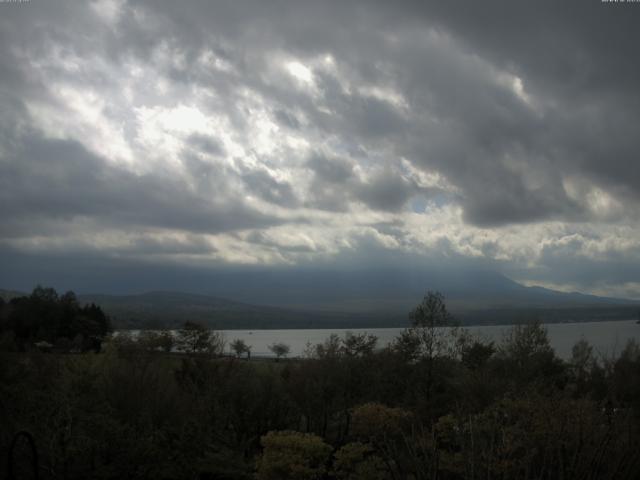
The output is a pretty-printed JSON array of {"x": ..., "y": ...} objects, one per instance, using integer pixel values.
[{"x": 197, "y": 136}]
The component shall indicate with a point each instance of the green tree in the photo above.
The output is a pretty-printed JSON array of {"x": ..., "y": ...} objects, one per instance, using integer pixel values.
[
  {"x": 407, "y": 345},
  {"x": 196, "y": 338},
  {"x": 386, "y": 429},
  {"x": 44, "y": 294},
  {"x": 526, "y": 354},
  {"x": 527, "y": 340},
  {"x": 155, "y": 341},
  {"x": 280, "y": 349},
  {"x": 330, "y": 348},
  {"x": 240, "y": 347},
  {"x": 429, "y": 321},
  {"x": 433, "y": 334},
  {"x": 166, "y": 341},
  {"x": 475, "y": 355},
  {"x": 44, "y": 316},
  {"x": 148, "y": 340},
  {"x": 292, "y": 455},
  {"x": 358, "y": 344},
  {"x": 358, "y": 461}
]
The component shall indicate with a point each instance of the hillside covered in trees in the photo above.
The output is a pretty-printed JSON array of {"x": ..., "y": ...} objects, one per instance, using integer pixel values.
[
  {"x": 515, "y": 304},
  {"x": 435, "y": 404},
  {"x": 51, "y": 322}
]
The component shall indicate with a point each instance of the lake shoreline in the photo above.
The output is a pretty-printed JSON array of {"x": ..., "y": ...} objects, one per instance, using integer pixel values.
[
  {"x": 360, "y": 327},
  {"x": 607, "y": 337}
]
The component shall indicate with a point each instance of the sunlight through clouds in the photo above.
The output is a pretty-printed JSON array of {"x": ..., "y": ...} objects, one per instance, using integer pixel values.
[{"x": 287, "y": 142}]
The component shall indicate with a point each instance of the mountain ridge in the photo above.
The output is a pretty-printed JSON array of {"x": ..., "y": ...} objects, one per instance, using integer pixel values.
[{"x": 350, "y": 300}]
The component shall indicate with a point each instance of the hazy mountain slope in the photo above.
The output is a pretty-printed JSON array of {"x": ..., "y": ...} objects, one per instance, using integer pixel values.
[
  {"x": 172, "y": 309},
  {"x": 390, "y": 290},
  {"x": 282, "y": 299},
  {"x": 351, "y": 299},
  {"x": 7, "y": 295}
]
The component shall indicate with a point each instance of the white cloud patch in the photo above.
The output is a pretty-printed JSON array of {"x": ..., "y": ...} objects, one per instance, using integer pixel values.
[{"x": 300, "y": 72}]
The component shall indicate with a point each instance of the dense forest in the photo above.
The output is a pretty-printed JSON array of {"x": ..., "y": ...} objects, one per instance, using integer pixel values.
[
  {"x": 49, "y": 321},
  {"x": 77, "y": 402}
]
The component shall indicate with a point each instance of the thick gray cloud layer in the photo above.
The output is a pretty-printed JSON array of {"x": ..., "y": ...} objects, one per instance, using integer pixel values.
[{"x": 290, "y": 133}]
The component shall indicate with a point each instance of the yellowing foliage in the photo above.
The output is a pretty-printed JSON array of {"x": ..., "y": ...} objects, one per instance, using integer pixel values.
[{"x": 292, "y": 455}]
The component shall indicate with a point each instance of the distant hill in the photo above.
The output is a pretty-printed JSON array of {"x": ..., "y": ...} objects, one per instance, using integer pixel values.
[
  {"x": 391, "y": 290},
  {"x": 352, "y": 299},
  {"x": 172, "y": 309},
  {"x": 7, "y": 295}
]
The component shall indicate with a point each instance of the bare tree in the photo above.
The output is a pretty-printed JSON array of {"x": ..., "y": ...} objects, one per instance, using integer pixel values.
[{"x": 433, "y": 334}]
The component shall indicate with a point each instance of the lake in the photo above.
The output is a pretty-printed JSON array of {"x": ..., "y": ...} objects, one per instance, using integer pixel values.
[{"x": 607, "y": 338}]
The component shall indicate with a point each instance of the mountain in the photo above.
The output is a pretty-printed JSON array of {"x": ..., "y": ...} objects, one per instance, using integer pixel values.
[
  {"x": 171, "y": 309},
  {"x": 357, "y": 298},
  {"x": 390, "y": 290},
  {"x": 352, "y": 299},
  {"x": 7, "y": 295}
]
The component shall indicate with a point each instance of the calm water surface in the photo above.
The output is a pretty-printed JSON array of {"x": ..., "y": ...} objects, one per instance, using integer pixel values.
[{"x": 607, "y": 338}]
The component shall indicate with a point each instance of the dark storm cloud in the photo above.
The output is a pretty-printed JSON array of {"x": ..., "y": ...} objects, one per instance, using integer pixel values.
[
  {"x": 261, "y": 183},
  {"x": 56, "y": 179},
  {"x": 330, "y": 170},
  {"x": 287, "y": 119},
  {"x": 505, "y": 198},
  {"x": 386, "y": 191},
  {"x": 578, "y": 58},
  {"x": 335, "y": 184},
  {"x": 204, "y": 144},
  {"x": 573, "y": 48},
  {"x": 329, "y": 189},
  {"x": 613, "y": 272},
  {"x": 526, "y": 112},
  {"x": 259, "y": 238},
  {"x": 575, "y": 61}
]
